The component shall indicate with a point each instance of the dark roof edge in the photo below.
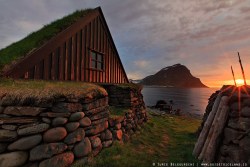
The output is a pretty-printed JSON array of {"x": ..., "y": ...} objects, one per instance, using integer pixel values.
[{"x": 113, "y": 43}]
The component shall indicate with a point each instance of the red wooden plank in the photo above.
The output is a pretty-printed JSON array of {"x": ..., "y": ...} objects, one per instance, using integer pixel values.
[
  {"x": 66, "y": 67},
  {"x": 46, "y": 73},
  {"x": 69, "y": 58},
  {"x": 52, "y": 69},
  {"x": 73, "y": 44},
  {"x": 87, "y": 52},
  {"x": 90, "y": 46},
  {"x": 105, "y": 59},
  {"x": 62, "y": 62},
  {"x": 78, "y": 57},
  {"x": 31, "y": 73},
  {"x": 57, "y": 55},
  {"x": 83, "y": 51},
  {"x": 37, "y": 72}
]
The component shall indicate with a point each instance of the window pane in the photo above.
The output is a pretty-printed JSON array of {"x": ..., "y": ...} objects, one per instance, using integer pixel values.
[
  {"x": 93, "y": 64},
  {"x": 99, "y": 57},
  {"x": 93, "y": 55},
  {"x": 99, "y": 66}
]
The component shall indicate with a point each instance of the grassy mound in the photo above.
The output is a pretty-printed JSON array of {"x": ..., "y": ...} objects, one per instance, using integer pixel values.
[{"x": 36, "y": 39}]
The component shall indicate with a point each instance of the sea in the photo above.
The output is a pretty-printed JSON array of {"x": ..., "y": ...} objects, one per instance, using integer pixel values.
[{"x": 191, "y": 101}]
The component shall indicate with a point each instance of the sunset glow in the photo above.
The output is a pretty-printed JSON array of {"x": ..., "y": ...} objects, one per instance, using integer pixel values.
[{"x": 239, "y": 82}]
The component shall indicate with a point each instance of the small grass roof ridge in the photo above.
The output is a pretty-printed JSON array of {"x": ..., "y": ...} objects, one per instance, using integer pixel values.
[{"x": 20, "y": 49}]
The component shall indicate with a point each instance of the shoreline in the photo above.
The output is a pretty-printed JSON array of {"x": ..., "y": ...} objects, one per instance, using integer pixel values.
[{"x": 158, "y": 112}]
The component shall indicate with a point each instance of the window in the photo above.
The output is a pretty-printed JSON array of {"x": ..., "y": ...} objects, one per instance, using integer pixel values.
[{"x": 96, "y": 60}]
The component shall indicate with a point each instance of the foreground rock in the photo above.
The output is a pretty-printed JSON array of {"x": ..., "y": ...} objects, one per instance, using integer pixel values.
[
  {"x": 61, "y": 160},
  {"x": 13, "y": 159}
]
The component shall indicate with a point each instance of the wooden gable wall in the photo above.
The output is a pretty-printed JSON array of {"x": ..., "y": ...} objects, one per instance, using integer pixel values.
[{"x": 67, "y": 56}]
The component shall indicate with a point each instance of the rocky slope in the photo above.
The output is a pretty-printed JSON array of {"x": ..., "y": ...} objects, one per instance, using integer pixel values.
[{"x": 175, "y": 76}]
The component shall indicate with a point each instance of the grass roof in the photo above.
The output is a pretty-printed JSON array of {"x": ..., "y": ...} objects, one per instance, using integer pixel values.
[
  {"x": 36, "y": 39},
  {"x": 33, "y": 92}
]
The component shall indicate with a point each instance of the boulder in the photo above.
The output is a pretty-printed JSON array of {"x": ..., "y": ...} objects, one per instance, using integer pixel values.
[
  {"x": 17, "y": 120},
  {"x": 25, "y": 143},
  {"x": 235, "y": 106},
  {"x": 31, "y": 164},
  {"x": 3, "y": 147},
  {"x": 245, "y": 112},
  {"x": 46, "y": 120},
  {"x": 118, "y": 134},
  {"x": 62, "y": 107},
  {"x": 106, "y": 144},
  {"x": 76, "y": 116},
  {"x": 85, "y": 122},
  {"x": 53, "y": 114},
  {"x": 95, "y": 142},
  {"x": 96, "y": 110},
  {"x": 97, "y": 150},
  {"x": 33, "y": 129},
  {"x": 9, "y": 127},
  {"x": 72, "y": 126},
  {"x": 59, "y": 121},
  {"x": 106, "y": 135},
  {"x": 245, "y": 145},
  {"x": 97, "y": 129},
  {"x": 1, "y": 109},
  {"x": 7, "y": 135},
  {"x": 46, "y": 151},
  {"x": 23, "y": 111},
  {"x": 75, "y": 136},
  {"x": 104, "y": 114},
  {"x": 55, "y": 134},
  {"x": 99, "y": 121},
  {"x": 83, "y": 148},
  {"x": 61, "y": 160},
  {"x": 118, "y": 126},
  {"x": 12, "y": 159}
]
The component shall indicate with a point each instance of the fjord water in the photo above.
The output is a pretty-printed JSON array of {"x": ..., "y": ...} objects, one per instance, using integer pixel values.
[{"x": 189, "y": 100}]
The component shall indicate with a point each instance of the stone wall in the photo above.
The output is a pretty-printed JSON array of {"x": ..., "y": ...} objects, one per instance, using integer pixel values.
[
  {"x": 233, "y": 143},
  {"x": 125, "y": 95},
  {"x": 62, "y": 130}
]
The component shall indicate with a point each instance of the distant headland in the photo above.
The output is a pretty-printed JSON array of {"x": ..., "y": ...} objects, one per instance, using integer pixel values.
[{"x": 174, "y": 76}]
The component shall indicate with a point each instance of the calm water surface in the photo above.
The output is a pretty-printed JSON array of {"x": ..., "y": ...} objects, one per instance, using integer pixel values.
[{"x": 192, "y": 100}]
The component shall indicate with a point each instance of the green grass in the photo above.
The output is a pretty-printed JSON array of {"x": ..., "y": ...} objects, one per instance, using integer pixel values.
[
  {"x": 163, "y": 139},
  {"x": 36, "y": 39}
]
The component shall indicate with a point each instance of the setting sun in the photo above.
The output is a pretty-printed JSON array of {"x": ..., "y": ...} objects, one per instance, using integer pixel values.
[{"x": 239, "y": 82}]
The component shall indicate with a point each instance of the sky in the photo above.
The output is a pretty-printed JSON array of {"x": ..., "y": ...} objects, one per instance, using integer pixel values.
[{"x": 205, "y": 36}]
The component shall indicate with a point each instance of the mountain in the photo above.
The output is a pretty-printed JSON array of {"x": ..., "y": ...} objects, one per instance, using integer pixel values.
[{"x": 175, "y": 76}]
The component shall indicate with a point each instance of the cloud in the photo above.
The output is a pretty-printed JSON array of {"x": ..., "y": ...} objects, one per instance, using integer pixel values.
[
  {"x": 150, "y": 35},
  {"x": 141, "y": 63}
]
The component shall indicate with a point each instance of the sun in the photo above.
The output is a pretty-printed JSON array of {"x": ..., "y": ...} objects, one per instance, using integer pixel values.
[{"x": 239, "y": 82}]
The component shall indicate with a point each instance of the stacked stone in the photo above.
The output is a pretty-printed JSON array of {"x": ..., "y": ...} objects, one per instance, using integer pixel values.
[
  {"x": 53, "y": 134},
  {"x": 234, "y": 143},
  {"x": 235, "y": 146},
  {"x": 124, "y": 126},
  {"x": 124, "y": 96},
  {"x": 128, "y": 97}
]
